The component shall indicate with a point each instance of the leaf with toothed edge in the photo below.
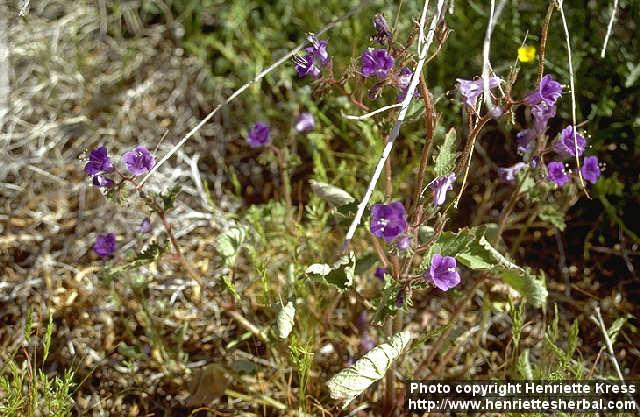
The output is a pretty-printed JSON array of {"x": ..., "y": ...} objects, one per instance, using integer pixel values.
[
  {"x": 340, "y": 274},
  {"x": 347, "y": 384}
]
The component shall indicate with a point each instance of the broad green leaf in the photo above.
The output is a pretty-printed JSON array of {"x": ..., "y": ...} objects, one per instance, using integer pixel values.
[
  {"x": 529, "y": 286},
  {"x": 351, "y": 382},
  {"x": 365, "y": 263},
  {"x": 228, "y": 243},
  {"x": 445, "y": 162},
  {"x": 285, "y": 320},
  {"x": 331, "y": 194},
  {"x": 498, "y": 258},
  {"x": 472, "y": 249},
  {"x": 340, "y": 274},
  {"x": 452, "y": 244}
]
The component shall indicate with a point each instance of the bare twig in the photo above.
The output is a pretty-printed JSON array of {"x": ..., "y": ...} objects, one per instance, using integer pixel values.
[
  {"x": 600, "y": 322},
  {"x": 486, "y": 64},
  {"x": 573, "y": 95},
  {"x": 4, "y": 64},
  {"x": 245, "y": 86},
  {"x": 423, "y": 46},
  {"x": 609, "y": 28},
  {"x": 543, "y": 38},
  {"x": 368, "y": 115}
]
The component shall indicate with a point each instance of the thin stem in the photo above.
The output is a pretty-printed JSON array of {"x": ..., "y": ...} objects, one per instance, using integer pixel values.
[
  {"x": 282, "y": 167},
  {"x": 467, "y": 153},
  {"x": 176, "y": 247},
  {"x": 458, "y": 310},
  {"x": 389, "y": 389},
  {"x": 426, "y": 148},
  {"x": 543, "y": 38},
  {"x": 395, "y": 131}
]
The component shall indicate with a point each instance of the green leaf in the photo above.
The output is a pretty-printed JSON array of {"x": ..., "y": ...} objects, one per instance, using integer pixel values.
[
  {"x": 524, "y": 365},
  {"x": 528, "y": 285},
  {"x": 340, "y": 274},
  {"x": 615, "y": 328},
  {"x": 552, "y": 214},
  {"x": 452, "y": 244},
  {"x": 386, "y": 303},
  {"x": 231, "y": 287},
  {"x": 228, "y": 243},
  {"x": 352, "y": 381},
  {"x": 331, "y": 194},
  {"x": 436, "y": 331},
  {"x": 151, "y": 254},
  {"x": 365, "y": 263},
  {"x": 472, "y": 249},
  {"x": 169, "y": 198},
  {"x": 285, "y": 320},
  {"x": 445, "y": 162}
]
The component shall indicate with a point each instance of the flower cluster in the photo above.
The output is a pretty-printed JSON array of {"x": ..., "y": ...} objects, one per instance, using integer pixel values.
[
  {"x": 316, "y": 54},
  {"x": 138, "y": 161},
  {"x": 569, "y": 143},
  {"x": 99, "y": 167}
]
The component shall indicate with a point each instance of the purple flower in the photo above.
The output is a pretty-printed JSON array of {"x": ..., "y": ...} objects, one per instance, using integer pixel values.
[
  {"x": 556, "y": 173},
  {"x": 138, "y": 161},
  {"x": 388, "y": 221},
  {"x": 471, "y": 90},
  {"x": 376, "y": 62},
  {"x": 305, "y": 123},
  {"x": 306, "y": 66},
  {"x": 590, "y": 169},
  {"x": 105, "y": 244},
  {"x": 102, "y": 181},
  {"x": 509, "y": 174},
  {"x": 382, "y": 29},
  {"x": 566, "y": 146},
  {"x": 443, "y": 272},
  {"x": 318, "y": 50},
  {"x": 259, "y": 136},
  {"x": 525, "y": 141},
  {"x": 549, "y": 91},
  {"x": 99, "y": 162},
  {"x": 542, "y": 113},
  {"x": 380, "y": 273},
  {"x": 145, "y": 225},
  {"x": 440, "y": 186}
]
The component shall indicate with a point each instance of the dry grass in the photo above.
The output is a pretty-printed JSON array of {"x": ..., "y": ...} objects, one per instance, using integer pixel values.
[{"x": 152, "y": 342}]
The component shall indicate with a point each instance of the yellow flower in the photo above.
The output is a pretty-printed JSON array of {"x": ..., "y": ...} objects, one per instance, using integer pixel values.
[{"x": 526, "y": 54}]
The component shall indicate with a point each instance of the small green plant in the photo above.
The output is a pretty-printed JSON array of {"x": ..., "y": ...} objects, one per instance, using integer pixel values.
[{"x": 26, "y": 390}]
